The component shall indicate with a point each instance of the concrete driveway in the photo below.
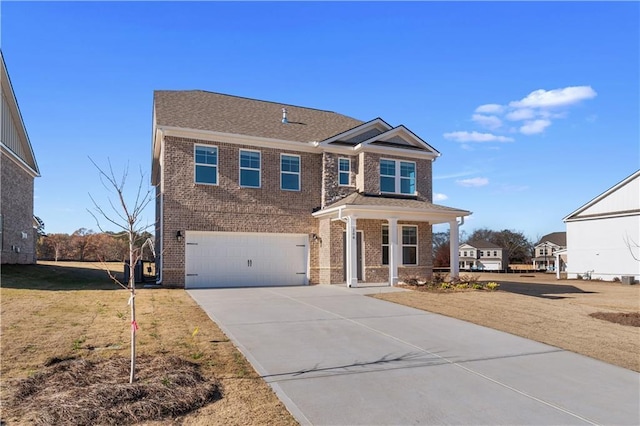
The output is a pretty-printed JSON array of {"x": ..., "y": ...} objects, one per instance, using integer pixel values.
[{"x": 336, "y": 357}]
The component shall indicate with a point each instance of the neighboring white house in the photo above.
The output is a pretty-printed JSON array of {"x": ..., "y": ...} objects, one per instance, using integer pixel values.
[
  {"x": 603, "y": 236},
  {"x": 482, "y": 256},
  {"x": 544, "y": 257}
]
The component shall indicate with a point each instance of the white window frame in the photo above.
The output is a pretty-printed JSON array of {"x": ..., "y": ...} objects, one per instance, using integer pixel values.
[
  {"x": 403, "y": 245},
  {"x": 397, "y": 179},
  {"x": 298, "y": 173},
  {"x": 348, "y": 172},
  {"x": 383, "y": 245},
  {"x": 196, "y": 164},
  {"x": 240, "y": 168}
]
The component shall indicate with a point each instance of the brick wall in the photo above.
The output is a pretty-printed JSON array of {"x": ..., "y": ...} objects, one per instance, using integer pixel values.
[
  {"x": 368, "y": 179},
  {"x": 227, "y": 206},
  {"x": 331, "y": 189},
  {"x": 17, "y": 213}
]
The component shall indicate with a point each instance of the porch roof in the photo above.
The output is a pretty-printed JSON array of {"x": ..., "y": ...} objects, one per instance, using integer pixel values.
[{"x": 370, "y": 206}]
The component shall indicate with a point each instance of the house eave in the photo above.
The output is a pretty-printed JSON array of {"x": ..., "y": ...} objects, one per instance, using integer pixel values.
[
  {"x": 19, "y": 161},
  {"x": 400, "y": 213}
]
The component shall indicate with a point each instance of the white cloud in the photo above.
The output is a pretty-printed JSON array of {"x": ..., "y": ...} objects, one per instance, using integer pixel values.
[
  {"x": 490, "y": 109},
  {"x": 439, "y": 197},
  {"x": 473, "y": 182},
  {"x": 535, "y": 126},
  {"x": 555, "y": 98},
  {"x": 520, "y": 114},
  {"x": 476, "y": 137},
  {"x": 489, "y": 121}
]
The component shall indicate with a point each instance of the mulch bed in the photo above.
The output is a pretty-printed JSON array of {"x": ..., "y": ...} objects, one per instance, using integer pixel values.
[
  {"x": 631, "y": 319},
  {"x": 83, "y": 392}
]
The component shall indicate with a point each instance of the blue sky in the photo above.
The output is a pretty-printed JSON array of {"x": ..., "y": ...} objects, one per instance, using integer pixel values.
[{"x": 534, "y": 106}]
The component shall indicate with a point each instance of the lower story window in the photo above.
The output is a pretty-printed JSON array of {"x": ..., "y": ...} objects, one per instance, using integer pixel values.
[
  {"x": 409, "y": 245},
  {"x": 385, "y": 244}
]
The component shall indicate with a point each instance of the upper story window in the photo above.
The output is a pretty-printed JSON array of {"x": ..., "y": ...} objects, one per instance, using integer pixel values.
[
  {"x": 495, "y": 253},
  {"x": 290, "y": 172},
  {"x": 397, "y": 177},
  {"x": 250, "y": 168},
  {"x": 206, "y": 164},
  {"x": 465, "y": 254},
  {"x": 481, "y": 253},
  {"x": 344, "y": 171}
]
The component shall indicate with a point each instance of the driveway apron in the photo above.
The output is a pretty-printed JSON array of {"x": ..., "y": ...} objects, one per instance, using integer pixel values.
[{"x": 337, "y": 357}]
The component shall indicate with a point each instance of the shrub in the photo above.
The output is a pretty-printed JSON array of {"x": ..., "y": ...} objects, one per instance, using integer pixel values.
[
  {"x": 477, "y": 286},
  {"x": 493, "y": 286},
  {"x": 445, "y": 286},
  {"x": 462, "y": 285}
]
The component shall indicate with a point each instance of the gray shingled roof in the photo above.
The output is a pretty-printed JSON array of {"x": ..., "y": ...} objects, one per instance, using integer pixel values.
[
  {"x": 482, "y": 244},
  {"x": 360, "y": 199},
  {"x": 557, "y": 238},
  {"x": 201, "y": 110}
]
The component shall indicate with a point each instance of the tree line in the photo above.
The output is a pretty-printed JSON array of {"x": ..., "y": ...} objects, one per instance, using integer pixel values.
[
  {"x": 85, "y": 245},
  {"x": 519, "y": 248}
]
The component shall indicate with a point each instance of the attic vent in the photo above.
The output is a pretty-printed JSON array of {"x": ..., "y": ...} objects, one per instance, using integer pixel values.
[{"x": 284, "y": 116}]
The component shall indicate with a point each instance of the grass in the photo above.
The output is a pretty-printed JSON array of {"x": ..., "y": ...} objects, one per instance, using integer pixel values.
[{"x": 73, "y": 311}]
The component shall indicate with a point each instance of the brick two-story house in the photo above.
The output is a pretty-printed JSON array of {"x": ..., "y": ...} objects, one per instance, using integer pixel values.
[
  {"x": 256, "y": 193},
  {"x": 19, "y": 169}
]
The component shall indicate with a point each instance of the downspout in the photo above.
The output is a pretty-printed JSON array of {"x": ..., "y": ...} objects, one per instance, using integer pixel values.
[{"x": 161, "y": 195}]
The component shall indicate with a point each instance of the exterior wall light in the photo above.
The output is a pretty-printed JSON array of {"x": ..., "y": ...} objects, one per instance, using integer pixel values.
[{"x": 179, "y": 236}]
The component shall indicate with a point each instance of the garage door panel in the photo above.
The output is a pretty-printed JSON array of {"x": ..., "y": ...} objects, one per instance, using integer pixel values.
[{"x": 223, "y": 259}]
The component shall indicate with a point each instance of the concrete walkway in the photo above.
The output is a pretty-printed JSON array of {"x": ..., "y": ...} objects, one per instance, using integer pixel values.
[{"x": 337, "y": 357}]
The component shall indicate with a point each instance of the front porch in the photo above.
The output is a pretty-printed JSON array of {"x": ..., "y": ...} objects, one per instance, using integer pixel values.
[{"x": 373, "y": 239}]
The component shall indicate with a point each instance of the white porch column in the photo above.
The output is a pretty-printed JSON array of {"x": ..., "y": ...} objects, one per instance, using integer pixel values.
[
  {"x": 393, "y": 251},
  {"x": 557, "y": 265},
  {"x": 352, "y": 252},
  {"x": 454, "y": 249}
]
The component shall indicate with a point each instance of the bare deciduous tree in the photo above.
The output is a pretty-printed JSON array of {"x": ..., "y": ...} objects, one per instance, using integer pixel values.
[{"x": 126, "y": 215}]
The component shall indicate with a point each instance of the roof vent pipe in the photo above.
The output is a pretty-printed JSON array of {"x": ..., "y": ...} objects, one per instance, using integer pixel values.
[{"x": 284, "y": 116}]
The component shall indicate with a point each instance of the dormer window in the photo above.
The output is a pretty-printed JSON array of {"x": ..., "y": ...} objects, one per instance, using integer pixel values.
[{"x": 397, "y": 177}]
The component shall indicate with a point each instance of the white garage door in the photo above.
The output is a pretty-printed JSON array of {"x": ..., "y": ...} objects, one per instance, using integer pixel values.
[{"x": 234, "y": 259}]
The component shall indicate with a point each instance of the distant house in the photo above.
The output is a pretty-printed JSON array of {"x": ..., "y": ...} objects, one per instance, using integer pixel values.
[
  {"x": 544, "y": 257},
  {"x": 482, "y": 256},
  {"x": 19, "y": 169},
  {"x": 603, "y": 235},
  {"x": 257, "y": 193}
]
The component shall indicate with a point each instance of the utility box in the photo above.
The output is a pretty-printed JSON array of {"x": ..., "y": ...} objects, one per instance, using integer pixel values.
[
  {"x": 137, "y": 272},
  {"x": 628, "y": 279}
]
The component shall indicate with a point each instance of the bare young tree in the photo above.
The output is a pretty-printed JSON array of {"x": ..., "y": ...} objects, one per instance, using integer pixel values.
[{"x": 126, "y": 215}]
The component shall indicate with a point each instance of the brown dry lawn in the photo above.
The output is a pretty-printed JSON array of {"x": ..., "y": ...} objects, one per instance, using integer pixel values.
[
  {"x": 83, "y": 314},
  {"x": 541, "y": 308}
]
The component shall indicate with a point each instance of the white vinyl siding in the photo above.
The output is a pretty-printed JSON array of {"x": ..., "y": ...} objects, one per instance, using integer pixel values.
[{"x": 10, "y": 135}]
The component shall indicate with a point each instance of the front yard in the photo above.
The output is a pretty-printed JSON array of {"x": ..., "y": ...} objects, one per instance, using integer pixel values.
[
  {"x": 73, "y": 311},
  {"x": 541, "y": 308}
]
